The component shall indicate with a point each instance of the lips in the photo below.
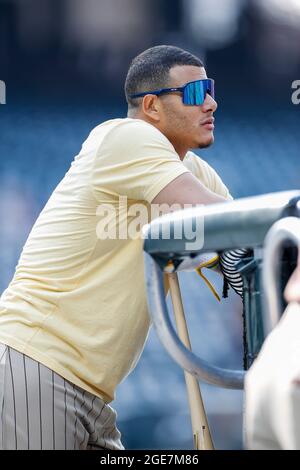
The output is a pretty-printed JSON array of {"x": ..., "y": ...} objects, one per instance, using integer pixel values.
[{"x": 208, "y": 121}]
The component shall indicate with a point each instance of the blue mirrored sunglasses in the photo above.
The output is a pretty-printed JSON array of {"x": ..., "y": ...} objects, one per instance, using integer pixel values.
[{"x": 193, "y": 93}]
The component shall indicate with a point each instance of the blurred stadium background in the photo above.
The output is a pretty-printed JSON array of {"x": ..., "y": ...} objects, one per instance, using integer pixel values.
[{"x": 64, "y": 63}]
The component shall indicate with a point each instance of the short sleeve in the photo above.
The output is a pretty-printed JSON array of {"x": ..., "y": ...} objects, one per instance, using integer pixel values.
[
  {"x": 136, "y": 160},
  {"x": 220, "y": 187},
  {"x": 206, "y": 174}
]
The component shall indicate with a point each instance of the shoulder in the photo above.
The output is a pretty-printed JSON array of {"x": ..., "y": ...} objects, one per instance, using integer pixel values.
[
  {"x": 134, "y": 132},
  {"x": 123, "y": 142},
  {"x": 206, "y": 173},
  {"x": 200, "y": 168}
]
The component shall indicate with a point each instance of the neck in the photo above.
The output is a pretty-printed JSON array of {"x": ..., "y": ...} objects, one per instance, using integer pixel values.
[{"x": 180, "y": 150}]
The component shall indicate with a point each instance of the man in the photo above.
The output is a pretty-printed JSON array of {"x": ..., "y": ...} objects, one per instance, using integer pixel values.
[
  {"x": 272, "y": 386},
  {"x": 74, "y": 320}
]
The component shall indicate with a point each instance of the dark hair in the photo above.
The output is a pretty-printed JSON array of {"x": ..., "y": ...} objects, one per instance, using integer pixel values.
[{"x": 150, "y": 69}]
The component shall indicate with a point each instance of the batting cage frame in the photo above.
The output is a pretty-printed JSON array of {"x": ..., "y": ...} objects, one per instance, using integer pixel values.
[{"x": 243, "y": 224}]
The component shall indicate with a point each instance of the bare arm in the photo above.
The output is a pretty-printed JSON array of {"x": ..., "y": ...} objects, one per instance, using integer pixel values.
[{"x": 186, "y": 189}]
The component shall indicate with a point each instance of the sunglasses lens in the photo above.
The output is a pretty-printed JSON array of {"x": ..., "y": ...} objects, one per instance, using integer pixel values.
[
  {"x": 195, "y": 92},
  {"x": 211, "y": 87}
]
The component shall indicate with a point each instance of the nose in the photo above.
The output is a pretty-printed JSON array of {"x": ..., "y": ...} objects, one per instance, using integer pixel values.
[{"x": 209, "y": 104}]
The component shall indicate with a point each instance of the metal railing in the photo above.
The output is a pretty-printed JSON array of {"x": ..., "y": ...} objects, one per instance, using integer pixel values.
[{"x": 243, "y": 223}]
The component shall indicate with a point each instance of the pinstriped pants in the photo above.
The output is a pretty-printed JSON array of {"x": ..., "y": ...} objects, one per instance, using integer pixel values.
[{"x": 41, "y": 410}]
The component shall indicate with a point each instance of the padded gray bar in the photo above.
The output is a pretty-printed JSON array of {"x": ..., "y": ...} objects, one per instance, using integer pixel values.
[{"x": 242, "y": 223}]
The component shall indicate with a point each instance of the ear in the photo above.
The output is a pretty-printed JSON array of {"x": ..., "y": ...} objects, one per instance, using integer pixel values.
[{"x": 151, "y": 107}]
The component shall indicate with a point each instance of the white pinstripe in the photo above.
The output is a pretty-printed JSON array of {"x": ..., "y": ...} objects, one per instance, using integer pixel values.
[{"x": 41, "y": 410}]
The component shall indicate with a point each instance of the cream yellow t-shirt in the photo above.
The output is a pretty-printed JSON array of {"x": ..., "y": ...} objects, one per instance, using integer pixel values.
[{"x": 77, "y": 301}]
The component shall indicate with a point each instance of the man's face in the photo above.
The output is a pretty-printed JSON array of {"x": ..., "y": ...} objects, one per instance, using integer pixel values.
[{"x": 185, "y": 125}]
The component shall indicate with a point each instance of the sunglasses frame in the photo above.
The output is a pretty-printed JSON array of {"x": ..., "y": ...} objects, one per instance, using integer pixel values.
[{"x": 180, "y": 89}]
